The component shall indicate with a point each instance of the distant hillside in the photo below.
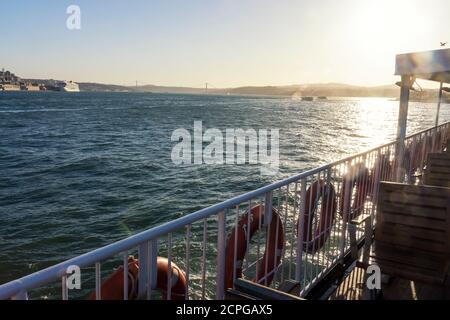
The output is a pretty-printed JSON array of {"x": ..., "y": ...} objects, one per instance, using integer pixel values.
[
  {"x": 343, "y": 90},
  {"x": 329, "y": 90},
  {"x": 306, "y": 90},
  {"x": 310, "y": 90},
  {"x": 164, "y": 89},
  {"x": 268, "y": 90},
  {"x": 98, "y": 87}
]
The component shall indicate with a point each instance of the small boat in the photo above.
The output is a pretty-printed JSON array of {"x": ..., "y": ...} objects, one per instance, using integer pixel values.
[{"x": 307, "y": 98}]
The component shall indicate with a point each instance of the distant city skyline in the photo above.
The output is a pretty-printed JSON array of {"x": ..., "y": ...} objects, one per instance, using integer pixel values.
[{"x": 224, "y": 43}]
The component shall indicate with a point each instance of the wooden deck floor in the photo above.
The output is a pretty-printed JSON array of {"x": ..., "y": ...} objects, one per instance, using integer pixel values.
[
  {"x": 396, "y": 289},
  {"x": 352, "y": 286}
]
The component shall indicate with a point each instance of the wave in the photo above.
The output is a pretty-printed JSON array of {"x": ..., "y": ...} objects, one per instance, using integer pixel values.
[{"x": 42, "y": 110}]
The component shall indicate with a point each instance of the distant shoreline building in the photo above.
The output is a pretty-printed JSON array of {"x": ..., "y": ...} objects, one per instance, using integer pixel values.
[{"x": 10, "y": 82}]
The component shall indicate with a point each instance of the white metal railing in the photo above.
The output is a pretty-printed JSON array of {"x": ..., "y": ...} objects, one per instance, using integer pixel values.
[{"x": 197, "y": 242}]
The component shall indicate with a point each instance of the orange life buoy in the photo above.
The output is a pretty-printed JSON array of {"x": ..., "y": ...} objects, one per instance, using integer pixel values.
[
  {"x": 178, "y": 281},
  {"x": 313, "y": 242},
  {"x": 113, "y": 286},
  {"x": 357, "y": 177},
  {"x": 273, "y": 250}
]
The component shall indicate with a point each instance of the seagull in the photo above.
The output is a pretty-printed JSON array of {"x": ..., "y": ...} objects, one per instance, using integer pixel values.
[{"x": 443, "y": 44}]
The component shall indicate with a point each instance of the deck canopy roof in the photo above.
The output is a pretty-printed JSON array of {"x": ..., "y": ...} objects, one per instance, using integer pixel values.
[{"x": 428, "y": 65}]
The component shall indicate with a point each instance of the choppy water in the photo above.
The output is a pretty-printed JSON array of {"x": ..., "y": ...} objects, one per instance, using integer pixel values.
[{"x": 78, "y": 171}]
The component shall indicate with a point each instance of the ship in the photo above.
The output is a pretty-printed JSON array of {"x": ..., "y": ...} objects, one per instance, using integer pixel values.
[{"x": 68, "y": 86}]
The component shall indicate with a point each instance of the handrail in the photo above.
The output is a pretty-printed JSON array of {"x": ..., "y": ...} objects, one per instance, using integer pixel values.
[{"x": 55, "y": 272}]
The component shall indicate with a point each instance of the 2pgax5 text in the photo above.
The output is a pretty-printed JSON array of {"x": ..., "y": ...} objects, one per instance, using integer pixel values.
[{"x": 229, "y": 309}]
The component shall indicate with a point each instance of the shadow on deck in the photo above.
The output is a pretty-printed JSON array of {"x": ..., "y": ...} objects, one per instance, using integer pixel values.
[
  {"x": 412, "y": 241},
  {"x": 352, "y": 288}
]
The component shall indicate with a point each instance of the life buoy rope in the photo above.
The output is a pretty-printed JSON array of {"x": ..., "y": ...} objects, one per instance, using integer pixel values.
[{"x": 273, "y": 249}]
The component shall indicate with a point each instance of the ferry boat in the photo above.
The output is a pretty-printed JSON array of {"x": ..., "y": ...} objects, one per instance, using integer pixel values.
[
  {"x": 68, "y": 86},
  {"x": 384, "y": 212}
]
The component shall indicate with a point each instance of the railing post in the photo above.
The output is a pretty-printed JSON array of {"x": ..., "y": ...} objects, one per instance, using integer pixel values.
[
  {"x": 434, "y": 140},
  {"x": 347, "y": 198},
  {"x": 423, "y": 156},
  {"x": 298, "y": 262},
  {"x": 153, "y": 267},
  {"x": 376, "y": 185},
  {"x": 353, "y": 243},
  {"x": 439, "y": 104},
  {"x": 143, "y": 270},
  {"x": 221, "y": 247},
  {"x": 268, "y": 208},
  {"x": 368, "y": 234},
  {"x": 188, "y": 248},
  {"x": 65, "y": 291},
  {"x": 411, "y": 159},
  {"x": 407, "y": 82},
  {"x": 22, "y": 295},
  {"x": 98, "y": 281}
]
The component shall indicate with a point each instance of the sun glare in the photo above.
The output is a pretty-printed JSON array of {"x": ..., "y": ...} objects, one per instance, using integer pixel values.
[
  {"x": 377, "y": 22},
  {"x": 375, "y": 31}
]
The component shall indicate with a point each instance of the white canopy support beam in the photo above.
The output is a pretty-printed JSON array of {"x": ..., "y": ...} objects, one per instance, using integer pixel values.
[
  {"x": 406, "y": 84},
  {"x": 429, "y": 65},
  {"x": 439, "y": 104}
]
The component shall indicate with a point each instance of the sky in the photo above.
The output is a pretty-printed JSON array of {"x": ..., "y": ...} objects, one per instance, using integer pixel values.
[{"x": 227, "y": 43}]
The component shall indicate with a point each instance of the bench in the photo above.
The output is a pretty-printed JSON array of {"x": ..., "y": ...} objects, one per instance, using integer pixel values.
[
  {"x": 412, "y": 235},
  {"x": 438, "y": 170}
]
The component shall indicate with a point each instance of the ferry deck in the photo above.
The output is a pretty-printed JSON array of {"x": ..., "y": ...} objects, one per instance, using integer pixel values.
[{"x": 322, "y": 234}]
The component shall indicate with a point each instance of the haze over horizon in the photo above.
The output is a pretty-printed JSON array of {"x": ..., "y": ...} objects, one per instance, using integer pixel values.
[{"x": 225, "y": 43}]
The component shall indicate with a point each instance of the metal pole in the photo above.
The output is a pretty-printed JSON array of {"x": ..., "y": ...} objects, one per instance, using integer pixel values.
[
  {"x": 301, "y": 225},
  {"x": 439, "y": 104},
  {"x": 402, "y": 122},
  {"x": 221, "y": 247},
  {"x": 143, "y": 251}
]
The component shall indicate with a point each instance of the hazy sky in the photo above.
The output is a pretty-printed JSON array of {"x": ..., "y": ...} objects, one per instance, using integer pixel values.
[{"x": 223, "y": 42}]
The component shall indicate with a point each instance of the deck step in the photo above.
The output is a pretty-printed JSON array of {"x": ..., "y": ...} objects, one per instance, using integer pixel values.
[{"x": 259, "y": 292}]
